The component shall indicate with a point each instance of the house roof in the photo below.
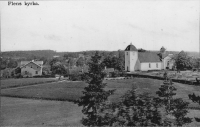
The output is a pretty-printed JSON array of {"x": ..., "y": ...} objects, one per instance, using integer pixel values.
[
  {"x": 38, "y": 63},
  {"x": 146, "y": 57},
  {"x": 170, "y": 55},
  {"x": 131, "y": 48},
  {"x": 167, "y": 54}
]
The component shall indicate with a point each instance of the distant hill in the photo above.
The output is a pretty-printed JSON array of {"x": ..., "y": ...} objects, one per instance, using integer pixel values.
[
  {"x": 28, "y": 54},
  {"x": 49, "y": 54}
]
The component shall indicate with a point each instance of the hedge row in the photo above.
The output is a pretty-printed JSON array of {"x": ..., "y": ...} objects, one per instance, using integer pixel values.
[
  {"x": 30, "y": 84},
  {"x": 37, "y": 98},
  {"x": 61, "y": 99},
  {"x": 129, "y": 76},
  {"x": 161, "y": 78}
]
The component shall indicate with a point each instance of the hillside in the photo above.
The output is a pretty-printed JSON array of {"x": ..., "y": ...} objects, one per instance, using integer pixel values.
[
  {"x": 28, "y": 54},
  {"x": 48, "y": 54}
]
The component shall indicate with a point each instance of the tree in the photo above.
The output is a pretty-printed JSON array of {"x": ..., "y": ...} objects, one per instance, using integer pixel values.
[
  {"x": 71, "y": 61},
  {"x": 182, "y": 61},
  {"x": 121, "y": 61},
  {"x": 132, "y": 110},
  {"x": 114, "y": 62},
  {"x": 53, "y": 61},
  {"x": 108, "y": 62},
  {"x": 72, "y": 55},
  {"x": 138, "y": 110},
  {"x": 174, "y": 107},
  {"x": 94, "y": 93},
  {"x": 58, "y": 68},
  {"x": 195, "y": 62},
  {"x": 161, "y": 53},
  {"x": 80, "y": 62},
  {"x": 12, "y": 63},
  {"x": 195, "y": 99}
]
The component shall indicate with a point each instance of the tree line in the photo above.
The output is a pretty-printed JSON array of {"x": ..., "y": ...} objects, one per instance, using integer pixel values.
[{"x": 133, "y": 109}]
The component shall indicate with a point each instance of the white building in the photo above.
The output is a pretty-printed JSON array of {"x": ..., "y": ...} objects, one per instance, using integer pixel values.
[
  {"x": 144, "y": 61},
  {"x": 31, "y": 68},
  {"x": 168, "y": 62}
]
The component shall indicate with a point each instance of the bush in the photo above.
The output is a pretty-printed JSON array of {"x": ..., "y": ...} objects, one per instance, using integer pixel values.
[
  {"x": 18, "y": 75},
  {"x": 114, "y": 74},
  {"x": 122, "y": 74},
  {"x": 43, "y": 76},
  {"x": 194, "y": 69},
  {"x": 76, "y": 77}
]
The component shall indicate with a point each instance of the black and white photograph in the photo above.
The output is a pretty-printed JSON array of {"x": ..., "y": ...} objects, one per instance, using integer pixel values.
[{"x": 100, "y": 63}]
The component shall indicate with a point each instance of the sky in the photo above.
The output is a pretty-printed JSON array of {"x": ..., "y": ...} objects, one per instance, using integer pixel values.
[{"x": 100, "y": 25}]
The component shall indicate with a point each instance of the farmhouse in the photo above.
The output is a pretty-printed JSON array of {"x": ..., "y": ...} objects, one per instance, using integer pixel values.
[
  {"x": 31, "y": 68},
  {"x": 145, "y": 60}
]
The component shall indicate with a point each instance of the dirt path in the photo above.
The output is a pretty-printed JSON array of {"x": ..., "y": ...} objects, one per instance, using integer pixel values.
[{"x": 34, "y": 85}]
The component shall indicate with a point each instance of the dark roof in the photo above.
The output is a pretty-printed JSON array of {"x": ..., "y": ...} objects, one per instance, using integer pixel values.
[
  {"x": 29, "y": 63},
  {"x": 131, "y": 48},
  {"x": 36, "y": 62},
  {"x": 167, "y": 54},
  {"x": 146, "y": 57}
]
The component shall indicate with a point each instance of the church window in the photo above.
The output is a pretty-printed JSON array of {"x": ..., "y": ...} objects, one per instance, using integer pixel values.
[
  {"x": 127, "y": 53},
  {"x": 157, "y": 65},
  {"x": 149, "y": 65},
  {"x": 36, "y": 72}
]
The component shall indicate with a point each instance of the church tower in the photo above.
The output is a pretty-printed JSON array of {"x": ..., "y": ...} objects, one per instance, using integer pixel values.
[{"x": 131, "y": 57}]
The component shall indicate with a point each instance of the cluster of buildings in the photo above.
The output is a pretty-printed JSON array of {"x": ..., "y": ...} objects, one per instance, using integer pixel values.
[
  {"x": 26, "y": 68},
  {"x": 135, "y": 60},
  {"x": 146, "y": 60}
]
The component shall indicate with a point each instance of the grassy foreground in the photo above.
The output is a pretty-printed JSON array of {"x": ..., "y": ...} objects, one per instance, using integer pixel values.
[
  {"x": 70, "y": 91},
  {"x": 10, "y": 83}
]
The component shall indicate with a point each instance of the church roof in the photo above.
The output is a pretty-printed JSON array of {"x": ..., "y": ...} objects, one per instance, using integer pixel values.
[
  {"x": 131, "y": 48},
  {"x": 146, "y": 57}
]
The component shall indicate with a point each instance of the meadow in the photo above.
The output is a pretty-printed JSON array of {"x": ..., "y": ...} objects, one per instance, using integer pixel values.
[
  {"x": 10, "y": 83},
  {"x": 71, "y": 91}
]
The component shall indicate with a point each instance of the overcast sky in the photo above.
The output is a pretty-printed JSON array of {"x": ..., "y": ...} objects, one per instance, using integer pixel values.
[{"x": 101, "y": 25}]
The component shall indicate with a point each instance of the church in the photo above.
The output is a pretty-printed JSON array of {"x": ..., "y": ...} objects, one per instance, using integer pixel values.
[{"x": 145, "y": 60}]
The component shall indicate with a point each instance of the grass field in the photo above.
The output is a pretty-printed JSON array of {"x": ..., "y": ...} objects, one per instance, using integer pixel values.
[
  {"x": 36, "y": 113},
  {"x": 29, "y": 112},
  {"x": 71, "y": 91},
  {"x": 9, "y": 83}
]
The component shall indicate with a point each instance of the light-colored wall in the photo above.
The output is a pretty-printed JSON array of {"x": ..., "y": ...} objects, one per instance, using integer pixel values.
[
  {"x": 145, "y": 66},
  {"x": 165, "y": 60},
  {"x": 32, "y": 70},
  {"x": 137, "y": 65},
  {"x": 130, "y": 60}
]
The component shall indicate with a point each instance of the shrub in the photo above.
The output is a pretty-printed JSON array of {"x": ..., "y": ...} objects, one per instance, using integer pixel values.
[
  {"x": 75, "y": 77},
  {"x": 174, "y": 107},
  {"x": 133, "y": 110},
  {"x": 18, "y": 75}
]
